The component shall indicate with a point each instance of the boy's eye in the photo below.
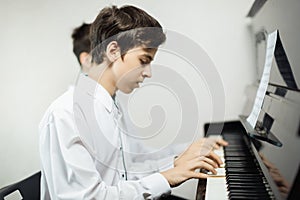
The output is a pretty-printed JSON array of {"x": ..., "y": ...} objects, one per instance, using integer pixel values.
[{"x": 144, "y": 62}]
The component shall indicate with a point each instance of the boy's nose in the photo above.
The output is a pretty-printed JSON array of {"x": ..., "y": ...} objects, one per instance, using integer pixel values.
[{"x": 147, "y": 71}]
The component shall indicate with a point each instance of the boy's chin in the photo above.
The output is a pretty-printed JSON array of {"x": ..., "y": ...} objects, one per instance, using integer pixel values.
[{"x": 127, "y": 91}]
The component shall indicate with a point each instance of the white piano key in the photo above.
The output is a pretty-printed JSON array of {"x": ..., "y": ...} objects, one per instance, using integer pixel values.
[
  {"x": 223, "y": 165},
  {"x": 216, "y": 189},
  {"x": 216, "y": 184},
  {"x": 220, "y": 172},
  {"x": 216, "y": 136},
  {"x": 219, "y": 152}
]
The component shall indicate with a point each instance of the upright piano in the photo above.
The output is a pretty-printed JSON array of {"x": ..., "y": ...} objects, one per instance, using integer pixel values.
[
  {"x": 260, "y": 163},
  {"x": 263, "y": 162}
]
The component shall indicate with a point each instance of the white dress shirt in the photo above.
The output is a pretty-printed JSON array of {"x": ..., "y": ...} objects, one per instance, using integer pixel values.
[{"x": 86, "y": 152}]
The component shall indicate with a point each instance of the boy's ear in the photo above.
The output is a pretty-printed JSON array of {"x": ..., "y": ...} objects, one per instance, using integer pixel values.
[
  {"x": 85, "y": 61},
  {"x": 84, "y": 58},
  {"x": 113, "y": 51}
]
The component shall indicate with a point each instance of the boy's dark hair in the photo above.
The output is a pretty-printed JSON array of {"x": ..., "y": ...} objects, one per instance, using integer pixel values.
[
  {"x": 129, "y": 26},
  {"x": 81, "y": 40}
]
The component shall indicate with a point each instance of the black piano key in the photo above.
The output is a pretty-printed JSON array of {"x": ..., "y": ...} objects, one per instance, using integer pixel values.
[
  {"x": 228, "y": 159},
  {"x": 242, "y": 172},
  {"x": 241, "y": 184},
  {"x": 241, "y": 178},
  {"x": 239, "y": 165},
  {"x": 247, "y": 187},
  {"x": 243, "y": 175},
  {"x": 244, "y": 179},
  {"x": 240, "y": 197},
  {"x": 248, "y": 192}
]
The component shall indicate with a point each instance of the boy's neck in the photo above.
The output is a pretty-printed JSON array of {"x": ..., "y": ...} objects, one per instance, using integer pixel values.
[{"x": 103, "y": 75}]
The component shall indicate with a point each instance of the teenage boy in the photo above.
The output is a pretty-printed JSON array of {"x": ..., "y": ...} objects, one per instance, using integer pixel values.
[{"x": 86, "y": 151}]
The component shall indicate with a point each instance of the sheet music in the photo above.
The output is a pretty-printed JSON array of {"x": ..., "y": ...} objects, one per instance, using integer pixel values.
[{"x": 271, "y": 43}]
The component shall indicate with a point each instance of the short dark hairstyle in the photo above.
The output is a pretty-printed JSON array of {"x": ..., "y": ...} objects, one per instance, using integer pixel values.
[
  {"x": 81, "y": 40},
  {"x": 129, "y": 26}
]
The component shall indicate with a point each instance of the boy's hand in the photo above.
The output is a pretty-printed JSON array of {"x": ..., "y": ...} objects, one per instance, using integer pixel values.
[{"x": 198, "y": 155}]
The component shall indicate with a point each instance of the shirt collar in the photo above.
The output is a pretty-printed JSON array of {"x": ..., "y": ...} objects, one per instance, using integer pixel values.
[{"x": 94, "y": 89}]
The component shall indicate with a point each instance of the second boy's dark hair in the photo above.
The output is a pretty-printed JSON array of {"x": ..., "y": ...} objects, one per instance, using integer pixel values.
[
  {"x": 81, "y": 40},
  {"x": 129, "y": 26}
]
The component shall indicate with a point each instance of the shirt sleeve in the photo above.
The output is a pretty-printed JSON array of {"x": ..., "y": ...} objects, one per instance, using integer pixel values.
[
  {"x": 146, "y": 160},
  {"x": 163, "y": 157},
  {"x": 70, "y": 173}
]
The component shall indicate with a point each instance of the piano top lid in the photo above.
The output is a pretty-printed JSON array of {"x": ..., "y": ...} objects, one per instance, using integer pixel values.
[{"x": 257, "y": 5}]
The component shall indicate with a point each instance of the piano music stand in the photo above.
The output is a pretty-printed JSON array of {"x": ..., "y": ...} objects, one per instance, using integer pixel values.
[{"x": 263, "y": 134}]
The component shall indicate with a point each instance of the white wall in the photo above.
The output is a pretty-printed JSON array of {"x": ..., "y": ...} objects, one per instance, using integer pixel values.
[{"x": 37, "y": 63}]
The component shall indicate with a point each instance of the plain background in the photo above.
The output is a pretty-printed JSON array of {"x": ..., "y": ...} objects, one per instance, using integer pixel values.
[{"x": 37, "y": 63}]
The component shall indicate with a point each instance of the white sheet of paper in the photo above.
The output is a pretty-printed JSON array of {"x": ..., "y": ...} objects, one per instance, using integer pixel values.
[{"x": 271, "y": 43}]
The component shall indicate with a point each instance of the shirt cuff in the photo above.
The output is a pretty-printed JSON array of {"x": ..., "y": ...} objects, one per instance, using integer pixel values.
[{"x": 157, "y": 184}]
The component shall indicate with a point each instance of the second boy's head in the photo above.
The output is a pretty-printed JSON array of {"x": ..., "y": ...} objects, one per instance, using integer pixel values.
[{"x": 82, "y": 46}]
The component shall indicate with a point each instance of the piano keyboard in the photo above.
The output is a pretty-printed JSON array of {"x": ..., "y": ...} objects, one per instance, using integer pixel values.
[{"x": 241, "y": 177}]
